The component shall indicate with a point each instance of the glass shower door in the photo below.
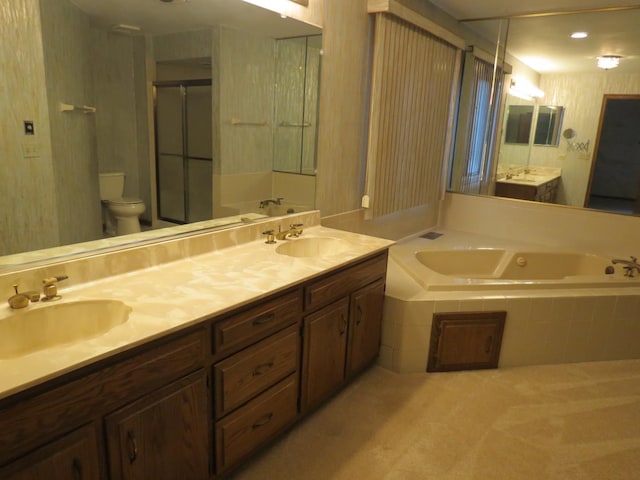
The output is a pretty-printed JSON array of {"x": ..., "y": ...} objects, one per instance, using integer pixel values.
[{"x": 184, "y": 168}]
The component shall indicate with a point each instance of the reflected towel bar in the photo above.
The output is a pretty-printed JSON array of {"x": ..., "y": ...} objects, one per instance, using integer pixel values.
[
  {"x": 237, "y": 121},
  {"x": 65, "y": 107}
]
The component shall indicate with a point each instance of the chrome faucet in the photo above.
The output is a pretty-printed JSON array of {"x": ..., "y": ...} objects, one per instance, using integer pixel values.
[
  {"x": 630, "y": 266},
  {"x": 266, "y": 203},
  {"x": 295, "y": 230}
]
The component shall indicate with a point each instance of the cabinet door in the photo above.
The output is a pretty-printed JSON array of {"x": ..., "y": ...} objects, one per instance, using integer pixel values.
[
  {"x": 73, "y": 457},
  {"x": 465, "y": 340},
  {"x": 365, "y": 325},
  {"x": 325, "y": 346},
  {"x": 163, "y": 435}
]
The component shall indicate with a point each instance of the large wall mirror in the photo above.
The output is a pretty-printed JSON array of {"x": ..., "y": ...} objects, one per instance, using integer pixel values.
[
  {"x": 81, "y": 79},
  {"x": 529, "y": 141}
]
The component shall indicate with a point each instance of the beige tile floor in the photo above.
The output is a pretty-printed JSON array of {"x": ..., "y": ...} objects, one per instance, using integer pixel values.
[{"x": 560, "y": 422}]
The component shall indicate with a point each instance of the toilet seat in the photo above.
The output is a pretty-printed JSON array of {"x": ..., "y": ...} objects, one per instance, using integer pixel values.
[{"x": 125, "y": 201}]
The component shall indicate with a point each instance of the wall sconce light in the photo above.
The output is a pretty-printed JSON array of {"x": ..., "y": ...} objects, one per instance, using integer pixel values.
[
  {"x": 608, "y": 61},
  {"x": 523, "y": 89}
]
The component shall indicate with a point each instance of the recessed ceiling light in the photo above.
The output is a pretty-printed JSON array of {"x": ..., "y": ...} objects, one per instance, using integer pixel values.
[{"x": 579, "y": 35}]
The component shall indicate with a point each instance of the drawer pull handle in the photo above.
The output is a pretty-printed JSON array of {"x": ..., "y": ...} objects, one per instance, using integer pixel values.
[
  {"x": 359, "y": 308},
  {"x": 77, "y": 469},
  {"x": 270, "y": 317},
  {"x": 260, "y": 369},
  {"x": 132, "y": 446},
  {"x": 263, "y": 421}
]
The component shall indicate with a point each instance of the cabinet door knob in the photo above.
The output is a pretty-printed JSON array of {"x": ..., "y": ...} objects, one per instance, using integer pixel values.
[
  {"x": 343, "y": 324},
  {"x": 488, "y": 345},
  {"x": 77, "y": 469},
  {"x": 132, "y": 446},
  {"x": 359, "y": 309}
]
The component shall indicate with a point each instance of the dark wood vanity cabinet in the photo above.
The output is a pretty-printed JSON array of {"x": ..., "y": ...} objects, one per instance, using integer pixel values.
[
  {"x": 75, "y": 456},
  {"x": 343, "y": 337},
  {"x": 164, "y": 435},
  {"x": 537, "y": 193},
  {"x": 46, "y": 425},
  {"x": 197, "y": 403}
]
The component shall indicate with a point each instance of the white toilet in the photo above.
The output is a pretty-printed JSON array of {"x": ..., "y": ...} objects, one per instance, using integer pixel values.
[{"x": 119, "y": 214}]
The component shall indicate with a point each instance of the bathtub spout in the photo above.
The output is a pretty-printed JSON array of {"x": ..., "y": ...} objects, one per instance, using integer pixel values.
[{"x": 630, "y": 266}]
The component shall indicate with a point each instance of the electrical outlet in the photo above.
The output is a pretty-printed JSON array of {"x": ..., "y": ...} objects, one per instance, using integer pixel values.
[
  {"x": 365, "y": 201},
  {"x": 30, "y": 150}
]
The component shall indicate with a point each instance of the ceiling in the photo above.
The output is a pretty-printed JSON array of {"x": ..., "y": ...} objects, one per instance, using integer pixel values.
[
  {"x": 164, "y": 16},
  {"x": 543, "y": 42}
]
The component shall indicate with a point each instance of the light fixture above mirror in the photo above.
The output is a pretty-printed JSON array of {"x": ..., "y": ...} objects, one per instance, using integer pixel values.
[{"x": 524, "y": 89}]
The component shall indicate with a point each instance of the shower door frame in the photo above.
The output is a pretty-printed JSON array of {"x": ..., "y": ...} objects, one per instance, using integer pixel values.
[{"x": 183, "y": 85}]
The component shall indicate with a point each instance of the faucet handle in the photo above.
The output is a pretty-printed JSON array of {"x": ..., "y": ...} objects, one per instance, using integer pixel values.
[
  {"x": 19, "y": 300},
  {"x": 270, "y": 236},
  {"x": 50, "y": 288},
  {"x": 296, "y": 229}
]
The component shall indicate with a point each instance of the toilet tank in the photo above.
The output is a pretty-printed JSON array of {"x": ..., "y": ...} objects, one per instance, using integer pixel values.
[{"x": 111, "y": 185}]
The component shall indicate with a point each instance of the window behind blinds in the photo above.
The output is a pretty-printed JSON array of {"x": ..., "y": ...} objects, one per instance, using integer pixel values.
[{"x": 414, "y": 87}]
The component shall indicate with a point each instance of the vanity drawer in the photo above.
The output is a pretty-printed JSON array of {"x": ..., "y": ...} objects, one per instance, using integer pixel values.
[
  {"x": 332, "y": 287},
  {"x": 251, "y": 371},
  {"x": 257, "y": 322},
  {"x": 243, "y": 431}
]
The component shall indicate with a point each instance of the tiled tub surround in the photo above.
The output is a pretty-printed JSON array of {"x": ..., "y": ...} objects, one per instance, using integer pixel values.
[
  {"x": 545, "y": 324},
  {"x": 171, "y": 286}
]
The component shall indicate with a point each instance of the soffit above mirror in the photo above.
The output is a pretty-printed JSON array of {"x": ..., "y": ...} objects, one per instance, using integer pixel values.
[
  {"x": 161, "y": 17},
  {"x": 465, "y": 10}
]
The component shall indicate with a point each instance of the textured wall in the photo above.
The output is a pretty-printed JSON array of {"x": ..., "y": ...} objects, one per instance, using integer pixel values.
[
  {"x": 28, "y": 217},
  {"x": 66, "y": 39},
  {"x": 343, "y": 106}
]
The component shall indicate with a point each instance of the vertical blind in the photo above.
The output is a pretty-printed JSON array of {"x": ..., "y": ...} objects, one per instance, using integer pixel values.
[
  {"x": 413, "y": 91},
  {"x": 477, "y": 152}
]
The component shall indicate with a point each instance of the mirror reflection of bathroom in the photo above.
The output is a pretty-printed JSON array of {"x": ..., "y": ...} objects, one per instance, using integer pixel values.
[
  {"x": 518, "y": 123},
  {"x": 296, "y": 104},
  {"x": 548, "y": 125}
]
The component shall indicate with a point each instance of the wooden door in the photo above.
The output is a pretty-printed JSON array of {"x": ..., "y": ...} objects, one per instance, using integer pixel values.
[
  {"x": 325, "y": 347},
  {"x": 465, "y": 340},
  {"x": 365, "y": 326},
  {"x": 163, "y": 436},
  {"x": 73, "y": 457}
]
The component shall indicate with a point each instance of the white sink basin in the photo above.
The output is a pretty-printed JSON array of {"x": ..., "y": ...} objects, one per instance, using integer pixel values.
[
  {"x": 528, "y": 178},
  {"x": 312, "y": 247},
  {"x": 45, "y": 326}
]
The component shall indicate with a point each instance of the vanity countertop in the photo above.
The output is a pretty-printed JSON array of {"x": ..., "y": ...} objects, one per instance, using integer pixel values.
[
  {"x": 179, "y": 294},
  {"x": 534, "y": 176}
]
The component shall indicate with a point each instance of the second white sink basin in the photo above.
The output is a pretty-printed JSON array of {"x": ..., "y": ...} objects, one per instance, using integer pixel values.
[
  {"x": 45, "y": 326},
  {"x": 312, "y": 247}
]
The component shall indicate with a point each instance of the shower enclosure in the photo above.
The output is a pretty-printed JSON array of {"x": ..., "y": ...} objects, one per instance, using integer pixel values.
[{"x": 184, "y": 160}]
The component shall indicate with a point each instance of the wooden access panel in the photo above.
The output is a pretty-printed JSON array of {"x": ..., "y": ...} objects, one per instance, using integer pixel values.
[{"x": 465, "y": 340}]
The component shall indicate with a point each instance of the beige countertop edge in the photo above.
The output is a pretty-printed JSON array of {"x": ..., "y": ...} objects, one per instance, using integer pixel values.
[
  {"x": 174, "y": 296},
  {"x": 546, "y": 179}
]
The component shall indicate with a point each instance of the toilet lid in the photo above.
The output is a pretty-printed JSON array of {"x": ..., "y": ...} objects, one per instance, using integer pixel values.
[{"x": 125, "y": 201}]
